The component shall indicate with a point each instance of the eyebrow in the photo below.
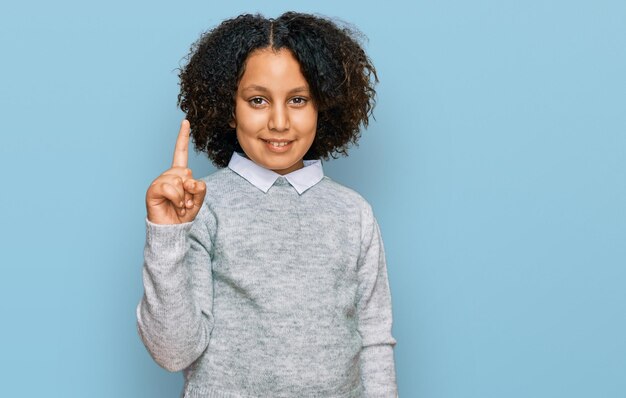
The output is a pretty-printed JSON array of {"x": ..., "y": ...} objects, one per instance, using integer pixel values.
[{"x": 255, "y": 87}]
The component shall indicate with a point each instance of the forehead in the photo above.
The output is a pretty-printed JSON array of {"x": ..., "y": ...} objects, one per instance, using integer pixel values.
[{"x": 272, "y": 69}]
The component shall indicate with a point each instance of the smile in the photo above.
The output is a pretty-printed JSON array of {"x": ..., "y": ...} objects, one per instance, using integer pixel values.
[{"x": 278, "y": 146}]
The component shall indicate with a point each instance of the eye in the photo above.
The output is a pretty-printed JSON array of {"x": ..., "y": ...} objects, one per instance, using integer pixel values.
[
  {"x": 257, "y": 102},
  {"x": 299, "y": 101}
]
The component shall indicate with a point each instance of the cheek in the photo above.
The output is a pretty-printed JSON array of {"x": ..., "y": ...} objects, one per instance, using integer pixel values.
[
  {"x": 306, "y": 121},
  {"x": 249, "y": 121}
]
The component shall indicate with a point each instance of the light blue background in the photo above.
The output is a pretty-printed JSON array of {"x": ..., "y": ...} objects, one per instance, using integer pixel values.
[{"x": 496, "y": 167}]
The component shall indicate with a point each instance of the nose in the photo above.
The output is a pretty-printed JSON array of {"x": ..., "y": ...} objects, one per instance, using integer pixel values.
[{"x": 279, "y": 118}]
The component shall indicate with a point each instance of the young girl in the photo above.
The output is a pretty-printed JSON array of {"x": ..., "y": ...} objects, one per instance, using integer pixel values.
[{"x": 267, "y": 278}]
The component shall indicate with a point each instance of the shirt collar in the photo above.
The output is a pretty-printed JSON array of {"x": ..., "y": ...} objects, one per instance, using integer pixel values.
[{"x": 262, "y": 178}]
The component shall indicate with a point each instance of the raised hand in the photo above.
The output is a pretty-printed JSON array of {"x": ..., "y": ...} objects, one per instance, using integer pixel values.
[{"x": 175, "y": 197}]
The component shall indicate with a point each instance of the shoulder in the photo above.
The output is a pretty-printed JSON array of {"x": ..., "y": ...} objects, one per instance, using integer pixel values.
[
  {"x": 219, "y": 188},
  {"x": 346, "y": 196},
  {"x": 346, "y": 193},
  {"x": 221, "y": 176},
  {"x": 222, "y": 184},
  {"x": 355, "y": 207}
]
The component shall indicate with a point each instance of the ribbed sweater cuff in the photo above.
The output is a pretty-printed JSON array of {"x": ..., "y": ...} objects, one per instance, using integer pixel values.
[
  {"x": 165, "y": 249},
  {"x": 170, "y": 236},
  {"x": 378, "y": 368}
]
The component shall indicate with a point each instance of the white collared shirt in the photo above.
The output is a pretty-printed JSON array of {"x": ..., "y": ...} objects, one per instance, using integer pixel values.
[{"x": 262, "y": 178}]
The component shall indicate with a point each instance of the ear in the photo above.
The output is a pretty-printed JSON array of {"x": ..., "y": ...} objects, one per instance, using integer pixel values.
[{"x": 232, "y": 122}]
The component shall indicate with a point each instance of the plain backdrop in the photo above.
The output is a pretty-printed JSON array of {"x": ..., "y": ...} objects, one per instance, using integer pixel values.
[{"x": 496, "y": 166}]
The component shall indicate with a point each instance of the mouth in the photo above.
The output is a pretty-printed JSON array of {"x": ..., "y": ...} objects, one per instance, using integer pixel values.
[{"x": 278, "y": 145}]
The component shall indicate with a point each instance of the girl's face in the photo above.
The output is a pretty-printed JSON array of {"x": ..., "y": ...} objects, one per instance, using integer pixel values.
[{"x": 275, "y": 117}]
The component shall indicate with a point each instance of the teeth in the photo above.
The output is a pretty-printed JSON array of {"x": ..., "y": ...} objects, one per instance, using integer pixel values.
[{"x": 278, "y": 144}]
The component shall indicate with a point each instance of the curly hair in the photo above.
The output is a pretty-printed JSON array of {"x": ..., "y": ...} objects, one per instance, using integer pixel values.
[{"x": 340, "y": 75}]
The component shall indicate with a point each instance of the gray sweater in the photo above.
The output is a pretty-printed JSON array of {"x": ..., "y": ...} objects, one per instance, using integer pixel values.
[{"x": 271, "y": 294}]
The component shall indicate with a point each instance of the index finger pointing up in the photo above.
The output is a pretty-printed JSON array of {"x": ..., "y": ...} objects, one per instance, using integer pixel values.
[{"x": 181, "y": 152}]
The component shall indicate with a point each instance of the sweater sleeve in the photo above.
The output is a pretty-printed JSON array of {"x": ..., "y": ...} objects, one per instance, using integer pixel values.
[
  {"x": 174, "y": 316},
  {"x": 374, "y": 315}
]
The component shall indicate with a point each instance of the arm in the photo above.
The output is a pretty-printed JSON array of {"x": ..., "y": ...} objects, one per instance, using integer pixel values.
[
  {"x": 374, "y": 314},
  {"x": 174, "y": 316}
]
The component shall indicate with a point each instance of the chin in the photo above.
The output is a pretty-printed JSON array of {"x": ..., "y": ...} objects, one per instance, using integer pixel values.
[{"x": 281, "y": 166}]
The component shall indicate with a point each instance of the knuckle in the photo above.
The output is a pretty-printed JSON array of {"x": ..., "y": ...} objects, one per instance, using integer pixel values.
[{"x": 157, "y": 181}]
